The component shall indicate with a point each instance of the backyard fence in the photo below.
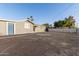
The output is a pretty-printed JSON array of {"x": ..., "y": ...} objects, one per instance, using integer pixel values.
[{"x": 63, "y": 30}]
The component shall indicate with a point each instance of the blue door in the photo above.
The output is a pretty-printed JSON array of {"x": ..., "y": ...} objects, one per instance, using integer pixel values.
[{"x": 10, "y": 28}]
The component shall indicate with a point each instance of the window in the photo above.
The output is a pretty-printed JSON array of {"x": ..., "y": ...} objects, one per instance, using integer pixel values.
[{"x": 26, "y": 25}]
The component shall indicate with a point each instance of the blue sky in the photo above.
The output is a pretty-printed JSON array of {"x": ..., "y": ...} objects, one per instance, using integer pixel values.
[{"x": 42, "y": 12}]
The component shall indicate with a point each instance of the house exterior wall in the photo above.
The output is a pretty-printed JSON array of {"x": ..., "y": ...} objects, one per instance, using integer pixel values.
[
  {"x": 3, "y": 30},
  {"x": 40, "y": 28},
  {"x": 20, "y": 28}
]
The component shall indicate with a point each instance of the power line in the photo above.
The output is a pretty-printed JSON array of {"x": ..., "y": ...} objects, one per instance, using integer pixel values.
[
  {"x": 62, "y": 12},
  {"x": 67, "y": 8}
]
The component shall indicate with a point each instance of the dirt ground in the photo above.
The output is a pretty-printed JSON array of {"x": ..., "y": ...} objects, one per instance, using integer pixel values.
[{"x": 40, "y": 44}]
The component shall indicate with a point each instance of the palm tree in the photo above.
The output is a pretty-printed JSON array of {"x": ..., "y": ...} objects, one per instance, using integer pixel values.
[{"x": 30, "y": 18}]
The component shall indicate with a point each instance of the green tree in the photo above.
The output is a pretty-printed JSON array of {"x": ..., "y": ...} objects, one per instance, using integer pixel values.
[
  {"x": 50, "y": 25},
  {"x": 59, "y": 23},
  {"x": 67, "y": 22},
  {"x": 70, "y": 22},
  {"x": 46, "y": 24},
  {"x": 56, "y": 24}
]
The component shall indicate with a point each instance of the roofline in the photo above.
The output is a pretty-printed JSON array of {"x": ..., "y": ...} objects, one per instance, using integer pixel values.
[
  {"x": 22, "y": 20},
  {"x": 7, "y": 20},
  {"x": 30, "y": 22}
]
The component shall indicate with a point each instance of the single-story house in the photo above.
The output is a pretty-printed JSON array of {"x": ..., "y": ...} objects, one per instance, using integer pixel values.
[{"x": 19, "y": 27}]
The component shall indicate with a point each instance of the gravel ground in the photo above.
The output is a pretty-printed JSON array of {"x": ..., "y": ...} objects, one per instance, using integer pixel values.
[{"x": 40, "y": 44}]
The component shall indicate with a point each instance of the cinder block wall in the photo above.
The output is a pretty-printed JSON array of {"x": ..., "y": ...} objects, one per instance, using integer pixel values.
[{"x": 62, "y": 30}]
